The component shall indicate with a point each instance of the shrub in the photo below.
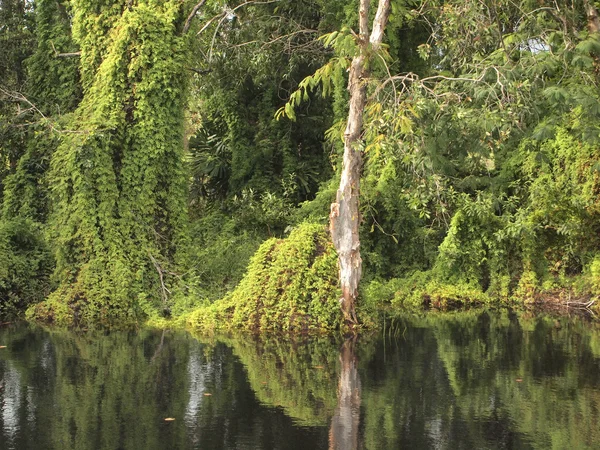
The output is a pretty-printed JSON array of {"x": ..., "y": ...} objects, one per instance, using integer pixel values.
[
  {"x": 25, "y": 266},
  {"x": 290, "y": 285}
]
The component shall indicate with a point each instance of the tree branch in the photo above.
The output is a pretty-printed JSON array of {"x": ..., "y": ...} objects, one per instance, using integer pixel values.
[
  {"x": 68, "y": 55},
  {"x": 379, "y": 23},
  {"x": 189, "y": 19},
  {"x": 164, "y": 290},
  {"x": 64, "y": 55},
  {"x": 363, "y": 20}
]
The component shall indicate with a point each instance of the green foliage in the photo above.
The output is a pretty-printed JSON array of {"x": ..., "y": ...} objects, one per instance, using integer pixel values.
[
  {"x": 118, "y": 182},
  {"x": 564, "y": 200},
  {"x": 291, "y": 285},
  {"x": 221, "y": 248},
  {"x": 25, "y": 266},
  {"x": 26, "y": 190},
  {"x": 53, "y": 83},
  {"x": 44, "y": 86},
  {"x": 16, "y": 45},
  {"x": 480, "y": 150},
  {"x": 526, "y": 245},
  {"x": 268, "y": 50},
  {"x": 423, "y": 290}
]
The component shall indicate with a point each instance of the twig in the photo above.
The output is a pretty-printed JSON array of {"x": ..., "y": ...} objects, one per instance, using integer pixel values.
[
  {"x": 64, "y": 55},
  {"x": 164, "y": 291},
  {"x": 68, "y": 55},
  {"x": 227, "y": 12},
  {"x": 18, "y": 97}
]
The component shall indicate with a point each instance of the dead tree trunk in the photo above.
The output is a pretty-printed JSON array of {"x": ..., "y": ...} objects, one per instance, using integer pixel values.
[{"x": 345, "y": 215}]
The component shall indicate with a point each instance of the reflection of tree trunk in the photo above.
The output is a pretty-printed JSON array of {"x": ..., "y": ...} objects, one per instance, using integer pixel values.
[
  {"x": 160, "y": 346},
  {"x": 343, "y": 434}
]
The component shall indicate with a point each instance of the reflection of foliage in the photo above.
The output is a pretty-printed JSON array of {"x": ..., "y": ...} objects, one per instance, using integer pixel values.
[
  {"x": 98, "y": 390},
  {"x": 299, "y": 376},
  {"x": 485, "y": 379},
  {"x": 113, "y": 390},
  {"x": 525, "y": 367},
  {"x": 465, "y": 380}
]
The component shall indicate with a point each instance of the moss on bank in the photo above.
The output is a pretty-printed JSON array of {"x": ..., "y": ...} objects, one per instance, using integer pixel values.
[{"x": 290, "y": 285}]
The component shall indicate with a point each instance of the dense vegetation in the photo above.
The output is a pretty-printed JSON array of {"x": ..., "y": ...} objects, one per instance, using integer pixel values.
[{"x": 149, "y": 148}]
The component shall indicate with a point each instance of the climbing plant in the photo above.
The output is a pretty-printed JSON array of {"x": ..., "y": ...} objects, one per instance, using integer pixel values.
[{"x": 118, "y": 183}]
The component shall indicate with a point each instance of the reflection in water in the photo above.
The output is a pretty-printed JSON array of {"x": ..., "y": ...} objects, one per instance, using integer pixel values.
[
  {"x": 469, "y": 380},
  {"x": 343, "y": 434},
  {"x": 196, "y": 374},
  {"x": 11, "y": 387}
]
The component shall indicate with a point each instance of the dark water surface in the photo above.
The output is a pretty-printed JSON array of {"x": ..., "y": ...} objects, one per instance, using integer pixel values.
[{"x": 470, "y": 380}]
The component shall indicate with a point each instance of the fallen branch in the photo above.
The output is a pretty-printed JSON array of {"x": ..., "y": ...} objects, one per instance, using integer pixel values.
[{"x": 584, "y": 305}]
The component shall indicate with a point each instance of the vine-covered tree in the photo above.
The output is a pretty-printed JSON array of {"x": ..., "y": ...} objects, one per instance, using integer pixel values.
[{"x": 117, "y": 177}]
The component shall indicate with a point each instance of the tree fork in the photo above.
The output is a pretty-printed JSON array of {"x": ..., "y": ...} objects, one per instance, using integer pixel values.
[{"x": 345, "y": 214}]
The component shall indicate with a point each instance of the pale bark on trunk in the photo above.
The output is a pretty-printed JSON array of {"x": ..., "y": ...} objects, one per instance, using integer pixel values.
[
  {"x": 592, "y": 15},
  {"x": 343, "y": 434},
  {"x": 345, "y": 215}
]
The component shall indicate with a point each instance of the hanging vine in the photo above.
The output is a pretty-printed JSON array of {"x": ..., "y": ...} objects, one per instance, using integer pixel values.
[{"x": 118, "y": 183}]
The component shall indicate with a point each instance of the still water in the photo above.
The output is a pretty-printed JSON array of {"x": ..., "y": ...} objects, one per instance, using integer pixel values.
[{"x": 468, "y": 380}]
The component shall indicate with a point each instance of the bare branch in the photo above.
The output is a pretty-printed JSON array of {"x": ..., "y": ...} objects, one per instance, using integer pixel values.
[
  {"x": 68, "y": 55},
  {"x": 253, "y": 2},
  {"x": 164, "y": 290},
  {"x": 224, "y": 15},
  {"x": 64, "y": 55},
  {"x": 207, "y": 24},
  {"x": 20, "y": 98},
  {"x": 189, "y": 19}
]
